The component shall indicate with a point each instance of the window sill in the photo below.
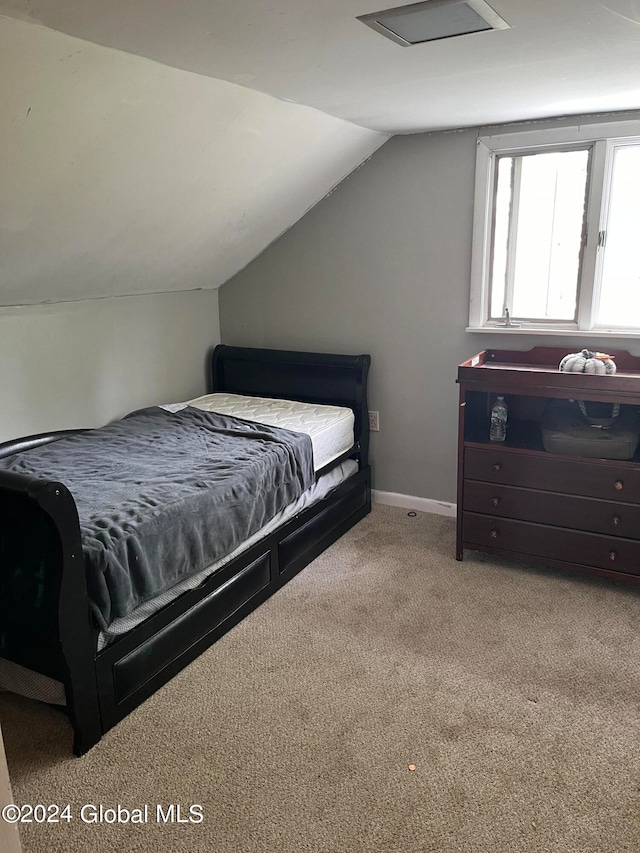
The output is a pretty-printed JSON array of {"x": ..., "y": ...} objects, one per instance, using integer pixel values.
[{"x": 537, "y": 330}]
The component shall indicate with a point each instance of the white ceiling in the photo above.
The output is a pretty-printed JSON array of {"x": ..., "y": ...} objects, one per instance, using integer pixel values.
[
  {"x": 559, "y": 57},
  {"x": 123, "y": 176}
]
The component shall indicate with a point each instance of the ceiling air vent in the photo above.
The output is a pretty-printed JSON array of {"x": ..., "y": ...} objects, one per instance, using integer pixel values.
[{"x": 433, "y": 20}]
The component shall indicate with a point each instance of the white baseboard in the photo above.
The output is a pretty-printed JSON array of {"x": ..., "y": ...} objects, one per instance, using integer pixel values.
[{"x": 413, "y": 502}]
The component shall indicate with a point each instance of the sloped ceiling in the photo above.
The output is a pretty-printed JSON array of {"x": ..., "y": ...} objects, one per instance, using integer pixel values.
[
  {"x": 119, "y": 175},
  {"x": 559, "y": 57}
]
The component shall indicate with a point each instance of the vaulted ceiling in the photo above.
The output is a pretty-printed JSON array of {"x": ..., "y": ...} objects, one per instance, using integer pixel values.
[{"x": 156, "y": 145}]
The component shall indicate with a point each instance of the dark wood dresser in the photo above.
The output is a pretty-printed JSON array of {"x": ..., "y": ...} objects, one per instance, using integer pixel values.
[{"x": 518, "y": 499}]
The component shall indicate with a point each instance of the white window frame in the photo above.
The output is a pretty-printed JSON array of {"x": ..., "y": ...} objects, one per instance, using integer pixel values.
[{"x": 604, "y": 139}]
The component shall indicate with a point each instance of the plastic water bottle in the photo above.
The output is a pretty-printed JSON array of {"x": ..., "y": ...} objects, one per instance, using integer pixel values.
[{"x": 498, "y": 430}]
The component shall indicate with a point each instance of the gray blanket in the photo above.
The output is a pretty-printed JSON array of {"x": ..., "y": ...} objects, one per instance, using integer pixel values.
[{"x": 162, "y": 495}]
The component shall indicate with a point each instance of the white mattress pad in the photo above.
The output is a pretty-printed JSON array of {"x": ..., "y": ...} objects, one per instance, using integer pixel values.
[{"x": 330, "y": 428}]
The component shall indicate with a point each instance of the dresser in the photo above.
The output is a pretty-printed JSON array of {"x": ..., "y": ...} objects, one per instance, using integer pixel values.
[{"x": 520, "y": 500}]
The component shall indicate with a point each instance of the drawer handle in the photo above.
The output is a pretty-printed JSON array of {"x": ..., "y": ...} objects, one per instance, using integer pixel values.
[
  {"x": 498, "y": 467},
  {"x": 615, "y": 520},
  {"x": 613, "y": 556},
  {"x": 618, "y": 485},
  {"x": 495, "y": 501},
  {"x": 494, "y": 534}
]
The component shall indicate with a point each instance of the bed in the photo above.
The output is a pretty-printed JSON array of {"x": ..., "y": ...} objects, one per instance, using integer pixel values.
[{"x": 53, "y": 624}]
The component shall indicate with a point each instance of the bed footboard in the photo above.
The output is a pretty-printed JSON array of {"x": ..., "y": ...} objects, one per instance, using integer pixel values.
[{"x": 44, "y": 612}]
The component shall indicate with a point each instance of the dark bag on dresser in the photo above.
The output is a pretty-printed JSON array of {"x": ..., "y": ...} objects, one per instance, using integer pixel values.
[{"x": 596, "y": 430}]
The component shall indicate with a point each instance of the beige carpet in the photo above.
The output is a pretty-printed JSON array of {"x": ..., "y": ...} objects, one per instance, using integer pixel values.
[{"x": 514, "y": 692}]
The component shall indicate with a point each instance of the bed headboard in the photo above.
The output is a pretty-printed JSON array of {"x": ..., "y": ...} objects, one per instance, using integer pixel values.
[{"x": 339, "y": 380}]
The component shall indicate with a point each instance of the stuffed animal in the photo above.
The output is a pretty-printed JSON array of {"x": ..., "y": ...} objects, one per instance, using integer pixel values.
[{"x": 586, "y": 361}]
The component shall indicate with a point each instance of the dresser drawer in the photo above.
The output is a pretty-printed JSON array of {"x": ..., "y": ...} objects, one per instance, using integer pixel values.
[
  {"x": 549, "y": 472},
  {"x": 556, "y": 543},
  {"x": 597, "y": 516}
]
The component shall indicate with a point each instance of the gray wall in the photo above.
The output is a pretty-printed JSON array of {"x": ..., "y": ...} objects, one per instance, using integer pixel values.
[
  {"x": 85, "y": 363},
  {"x": 382, "y": 265}
]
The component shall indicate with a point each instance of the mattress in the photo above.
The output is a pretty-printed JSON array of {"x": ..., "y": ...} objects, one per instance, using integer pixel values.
[{"x": 330, "y": 428}]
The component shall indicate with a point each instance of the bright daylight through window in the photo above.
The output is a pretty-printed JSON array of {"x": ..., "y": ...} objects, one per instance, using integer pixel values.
[{"x": 557, "y": 230}]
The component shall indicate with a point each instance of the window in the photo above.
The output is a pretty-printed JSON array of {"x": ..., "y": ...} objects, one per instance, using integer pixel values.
[{"x": 556, "y": 244}]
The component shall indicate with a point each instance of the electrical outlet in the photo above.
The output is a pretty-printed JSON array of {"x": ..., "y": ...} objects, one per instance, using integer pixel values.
[{"x": 374, "y": 421}]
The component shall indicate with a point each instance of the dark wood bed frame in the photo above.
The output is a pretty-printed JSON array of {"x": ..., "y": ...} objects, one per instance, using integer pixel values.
[{"x": 45, "y": 622}]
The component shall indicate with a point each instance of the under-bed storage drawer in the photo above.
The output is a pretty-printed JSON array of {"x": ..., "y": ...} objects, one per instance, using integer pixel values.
[
  {"x": 549, "y": 472},
  {"x": 541, "y": 540},
  {"x": 310, "y": 536},
  {"x": 160, "y": 650}
]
